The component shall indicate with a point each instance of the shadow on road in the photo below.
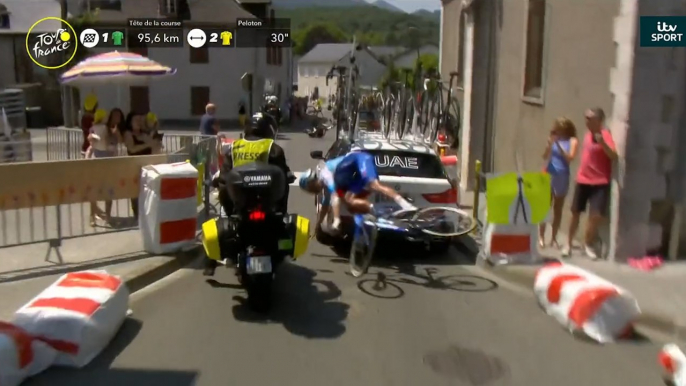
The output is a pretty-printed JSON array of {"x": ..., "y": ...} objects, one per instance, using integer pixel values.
[
  {"x": 100, "y": 373},
  {"x": 304, "y": 305}
]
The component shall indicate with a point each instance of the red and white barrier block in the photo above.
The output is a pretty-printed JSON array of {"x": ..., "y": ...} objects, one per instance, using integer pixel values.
[
  {"x": 673, "y": 362},
  {"x": 168, "y": 207},
  {"x": 78, "y": 315},
  {"x": 584, "y": 302},
  {"x": 21, "y": 355}
]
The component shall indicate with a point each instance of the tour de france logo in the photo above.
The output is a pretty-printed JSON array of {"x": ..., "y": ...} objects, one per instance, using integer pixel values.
[{"x": 51, "y": 50}]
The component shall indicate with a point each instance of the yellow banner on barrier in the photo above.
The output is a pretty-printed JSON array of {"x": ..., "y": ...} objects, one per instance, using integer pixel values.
[
  {"x": 518, "y": 198},
  {"x": 34, "y": 184}
]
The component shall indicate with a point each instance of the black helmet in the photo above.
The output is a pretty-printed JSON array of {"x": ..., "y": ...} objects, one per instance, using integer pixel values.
[{"x": 261, "y": 126}]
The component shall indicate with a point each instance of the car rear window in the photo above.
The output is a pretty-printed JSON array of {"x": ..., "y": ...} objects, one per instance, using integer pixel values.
[
  {"x": 407, "y": 164},
  {"x": 366, "y": 116}
]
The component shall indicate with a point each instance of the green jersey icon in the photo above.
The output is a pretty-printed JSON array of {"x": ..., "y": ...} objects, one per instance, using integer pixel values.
[{"x": 117, "y": 37}]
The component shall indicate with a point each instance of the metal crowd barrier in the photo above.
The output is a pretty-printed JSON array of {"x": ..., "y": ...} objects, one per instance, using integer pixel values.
[
  {"x": 66, "y": 143},
  {"x": 55, "y": 205}
]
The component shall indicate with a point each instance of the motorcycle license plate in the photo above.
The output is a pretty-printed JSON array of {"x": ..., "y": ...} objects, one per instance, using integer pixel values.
[{"x": 259, "y": 264}]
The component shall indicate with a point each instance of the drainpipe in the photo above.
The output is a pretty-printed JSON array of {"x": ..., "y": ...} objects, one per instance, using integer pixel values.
[
  {"x": 440, "y": 42},
  {"x": 492, "y": 81}
]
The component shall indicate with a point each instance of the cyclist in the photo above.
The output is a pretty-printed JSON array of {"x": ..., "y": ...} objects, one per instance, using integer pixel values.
[{"x": 351, "y": 178}]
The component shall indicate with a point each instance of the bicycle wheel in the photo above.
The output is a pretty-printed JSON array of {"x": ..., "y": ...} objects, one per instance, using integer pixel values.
[
  {"x": 444, "y": 221},
  {"x": 362, "y": 248}
]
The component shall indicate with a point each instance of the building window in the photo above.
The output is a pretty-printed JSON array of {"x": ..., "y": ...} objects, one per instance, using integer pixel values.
[
  {"x": 534, "y": 65},
  {"x": 135, "y": 45},
  {"x": 199, "y": 55},
  {"x": 200, "y": 97},
  {"x": 4, "y": 20},
  {"x": 168, "y": 7}
]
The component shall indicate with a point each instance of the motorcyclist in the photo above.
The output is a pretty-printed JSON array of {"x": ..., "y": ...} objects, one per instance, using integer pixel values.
[
  {"x": 272, "y": 108},
  {"x": 257, "y": 145}
]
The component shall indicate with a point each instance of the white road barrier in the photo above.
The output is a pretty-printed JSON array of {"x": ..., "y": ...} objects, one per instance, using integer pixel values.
[
  {"x": 673, "y": 361},
  {"x": 584, "y": 302},
  {"x": 168, "y": 207},
  {"x": 78, "y": 315},
  {"x": 21, "y": 355}
]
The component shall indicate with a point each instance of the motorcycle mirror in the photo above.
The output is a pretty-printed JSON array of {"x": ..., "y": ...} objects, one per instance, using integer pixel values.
[{"x": 316, "y": 154}]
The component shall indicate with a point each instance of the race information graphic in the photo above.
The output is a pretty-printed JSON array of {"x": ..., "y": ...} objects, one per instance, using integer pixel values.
[
  {"x": 103, "y": 37},
  {"x": 256, "y": 33},
  {"x": 155, "y": 37},
  {"x": 220, "y": 37}
]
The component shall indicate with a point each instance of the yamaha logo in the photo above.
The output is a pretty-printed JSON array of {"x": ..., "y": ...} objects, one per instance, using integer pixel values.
[{"x": 264, "y": 178}]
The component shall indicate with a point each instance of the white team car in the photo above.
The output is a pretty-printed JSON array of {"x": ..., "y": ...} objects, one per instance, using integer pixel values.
[{"x": 412, "y": 168}]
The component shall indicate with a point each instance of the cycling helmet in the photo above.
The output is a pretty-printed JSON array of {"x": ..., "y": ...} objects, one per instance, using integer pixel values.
[{"x": 306, "y": 178}]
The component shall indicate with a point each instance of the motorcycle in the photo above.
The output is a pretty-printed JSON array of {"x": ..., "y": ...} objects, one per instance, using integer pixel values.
[{"x": 257, "y": 237}]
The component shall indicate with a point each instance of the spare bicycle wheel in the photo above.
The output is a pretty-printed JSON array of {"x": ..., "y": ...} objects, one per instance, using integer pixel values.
[
  {"x": 444, "y": 221},
  {"x": 362, "y": 250}
]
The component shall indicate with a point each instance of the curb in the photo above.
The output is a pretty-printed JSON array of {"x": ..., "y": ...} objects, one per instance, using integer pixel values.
[
  {"x": 145, "y": 276},
  {"x": 525, "y": 278}
]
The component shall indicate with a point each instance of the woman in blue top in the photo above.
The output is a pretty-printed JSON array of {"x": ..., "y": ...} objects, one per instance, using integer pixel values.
[{"x": 559, "y": 154}]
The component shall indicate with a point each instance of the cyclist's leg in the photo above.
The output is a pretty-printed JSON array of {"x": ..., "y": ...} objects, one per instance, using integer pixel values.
[{"x": 356, "y": 203}]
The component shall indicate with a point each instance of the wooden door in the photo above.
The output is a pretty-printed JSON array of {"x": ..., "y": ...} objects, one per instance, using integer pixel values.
[{"x": 140, "y": 99}]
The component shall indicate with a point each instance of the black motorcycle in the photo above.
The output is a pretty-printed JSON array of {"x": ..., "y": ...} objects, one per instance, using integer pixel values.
[{"x": 257, "y": 237}]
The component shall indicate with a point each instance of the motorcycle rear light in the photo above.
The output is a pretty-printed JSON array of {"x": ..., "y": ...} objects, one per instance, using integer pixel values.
[
  {"x": 447, "y": 197},
  {"x": 441, "y": 138},
  {"x": 257, "y": 215}
]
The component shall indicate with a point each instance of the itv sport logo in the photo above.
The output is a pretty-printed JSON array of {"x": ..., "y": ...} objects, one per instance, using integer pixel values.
[{"x": 663, "y": 31}]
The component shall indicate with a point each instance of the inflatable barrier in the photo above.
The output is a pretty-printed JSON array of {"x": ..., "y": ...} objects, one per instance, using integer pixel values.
[
  {"x": 584, "y": 302},
  {"x": 673, "y": 362},
  {"x": 21, "y": 355},
  {"x": 78, "y": 315},
  {"x": 510, "y": 243},
  {"x": 168, "y": 207}
]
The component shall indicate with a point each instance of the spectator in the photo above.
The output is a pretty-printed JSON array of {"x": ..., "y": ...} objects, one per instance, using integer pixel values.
[
  {"x": 152, "y": 128},
  {"x": 89, "y": 107},
  {"x": 559, "y": 154},
  {"x": 242, "y": 116},
  {"x": 208, "y": 122},
  {"x": 98, "y": 138},
  {"x": 137, "y": 142},
  {"x": 592, "y": 180}
]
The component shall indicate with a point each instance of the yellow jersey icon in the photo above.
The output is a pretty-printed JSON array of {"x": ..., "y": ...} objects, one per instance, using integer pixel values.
[{"x": 226, "y": 37}]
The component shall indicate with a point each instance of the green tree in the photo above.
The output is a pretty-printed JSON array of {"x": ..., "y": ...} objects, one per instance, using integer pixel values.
[
  {"x": 397, "y": 29},
  {"x": 307, "y": 38}
]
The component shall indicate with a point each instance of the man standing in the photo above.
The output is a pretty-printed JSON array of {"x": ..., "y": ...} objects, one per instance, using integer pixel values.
[
  {"x": 592, "y": 180},
  {"x": 208, "y": 122}
]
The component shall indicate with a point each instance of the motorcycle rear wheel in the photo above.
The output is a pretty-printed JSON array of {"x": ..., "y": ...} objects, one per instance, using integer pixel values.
[{"x": 259, "y": 289}]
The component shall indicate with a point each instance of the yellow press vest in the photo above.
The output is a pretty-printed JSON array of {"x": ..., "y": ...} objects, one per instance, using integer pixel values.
[{"x": 245, "y": 152}]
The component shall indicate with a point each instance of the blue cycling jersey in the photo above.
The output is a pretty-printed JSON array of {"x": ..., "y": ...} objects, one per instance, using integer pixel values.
[{"x": 354, "y": 172}]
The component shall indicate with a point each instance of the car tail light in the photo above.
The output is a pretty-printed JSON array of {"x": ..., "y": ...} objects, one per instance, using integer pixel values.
[
  {"x": 257, "y": 215},
  {"x": 447, "y": 197}
]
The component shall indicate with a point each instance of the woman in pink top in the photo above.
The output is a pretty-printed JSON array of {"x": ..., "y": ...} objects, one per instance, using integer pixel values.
[{"x": 592, "y": 180}]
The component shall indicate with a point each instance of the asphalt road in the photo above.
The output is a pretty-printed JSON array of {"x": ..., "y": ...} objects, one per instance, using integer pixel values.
[{"x": 442, "y": 321}]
